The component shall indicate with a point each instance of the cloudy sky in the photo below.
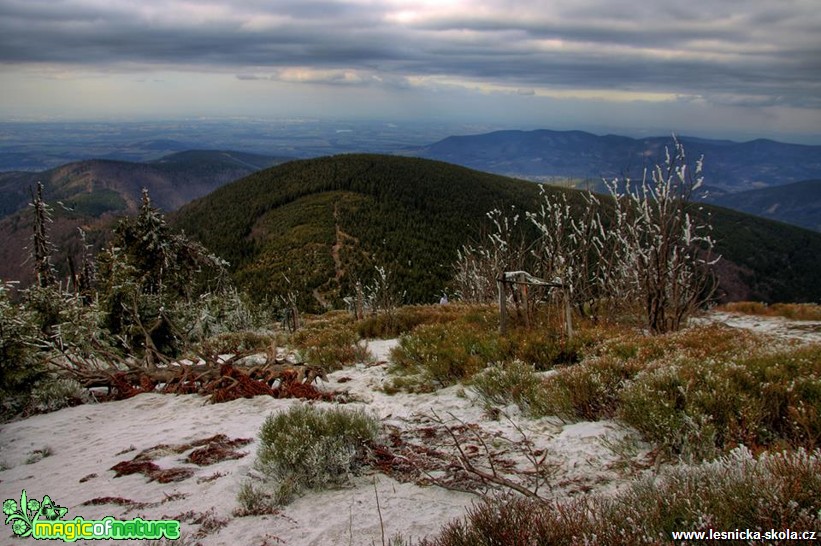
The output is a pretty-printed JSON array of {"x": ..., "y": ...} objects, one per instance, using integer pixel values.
[{"x": 738, "y": 68}]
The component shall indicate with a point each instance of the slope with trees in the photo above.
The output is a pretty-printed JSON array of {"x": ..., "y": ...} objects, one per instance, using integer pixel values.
[{"x": 281, "y": 229}]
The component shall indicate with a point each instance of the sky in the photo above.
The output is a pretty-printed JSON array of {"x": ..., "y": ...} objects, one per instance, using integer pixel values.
[{"x": 731, "y": 68}]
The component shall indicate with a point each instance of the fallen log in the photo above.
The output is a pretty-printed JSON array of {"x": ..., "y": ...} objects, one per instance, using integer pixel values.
[{"x": 221, "y": 380}]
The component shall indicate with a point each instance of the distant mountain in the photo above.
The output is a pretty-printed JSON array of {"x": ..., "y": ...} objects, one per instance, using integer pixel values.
[
  {"x": 798, "y": 203},
  {"x": 97, "y": 186},
  {"x": 580, "y": 156},
  {"x": 318, "y": 225},
  {"x": 88, "y": 193}
]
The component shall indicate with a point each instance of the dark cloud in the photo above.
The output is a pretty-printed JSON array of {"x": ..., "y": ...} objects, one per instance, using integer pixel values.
[{"x": 762, "y": 51}]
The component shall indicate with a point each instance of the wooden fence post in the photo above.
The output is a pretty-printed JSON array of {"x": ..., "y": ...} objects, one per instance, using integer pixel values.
[
  {"x": 568, "y": 313},
  {"x": 502, "y": 306}
]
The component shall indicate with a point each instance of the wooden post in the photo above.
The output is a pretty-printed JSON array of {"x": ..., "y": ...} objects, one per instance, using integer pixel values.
[
  {"x": 568, "y": 313},
  {"x": 502, "y": 306},
  {"x": 525, "y": 300}
]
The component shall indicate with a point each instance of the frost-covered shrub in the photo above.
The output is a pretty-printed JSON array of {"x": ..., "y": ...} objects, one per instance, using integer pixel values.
[
  {"x": 236, "y": 342},
  {"x": 776, "y": 491},
  {"x": 214, "y": 313},
  {"x": 310, "y": 448},
  {"x": 444, "y": 354},
  {"x": 20, "y": 367},
  {"x": 52, "y": 394},
  {"x": 513, "y": 383},
  {"x": 332, "y": 345},
  {"x": 699, "y": 408}
]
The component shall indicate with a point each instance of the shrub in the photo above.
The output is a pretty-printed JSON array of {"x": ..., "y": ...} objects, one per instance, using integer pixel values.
[
  {"x": 444, "y": 354},
  {"x": 777, "y": 491},
  {"x": 52, "y": 394},
  {"x": 590, "y": 390},
  {"x": 332, "y": 343},
  {"x": 254, "y": 500},
  {"x": 309, "y": 448},
  {"x": 405, "y": 319},
  {"x": 794, "y": 311},
  {"x": 546, "y": 349},
  {"x": 513, "y": 383},
  {"x": 20, "y": 366},
  {"x": 699, "y": 408},
  {"x": 237, "y": 342}
]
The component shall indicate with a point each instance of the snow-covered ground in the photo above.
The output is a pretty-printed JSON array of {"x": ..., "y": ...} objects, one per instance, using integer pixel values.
[
  {"x": 804, "y": 330},
  {"x": 85, "y": 442}
]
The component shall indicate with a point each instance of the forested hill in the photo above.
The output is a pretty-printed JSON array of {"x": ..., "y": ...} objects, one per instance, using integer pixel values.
[
  {"x": 324, "y": 223},
  {"x": 315, "y": 226}
]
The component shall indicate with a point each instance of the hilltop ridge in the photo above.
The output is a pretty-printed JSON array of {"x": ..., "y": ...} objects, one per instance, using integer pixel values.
[{"x": 319, "y": 225}]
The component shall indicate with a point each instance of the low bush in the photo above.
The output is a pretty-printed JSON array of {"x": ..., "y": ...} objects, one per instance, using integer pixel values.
[
  {"x": 547, "y": 349},
  {"x": 588, "y": 391},
  {"x": 443, "y": 354},
  {"x": 699, "y": 408},
  {"x": 52, "y": 394},
  {"x": 236, "y": 342},
  {"x": 331, "y": 342},
  {"x": 513, "y": 383},
  {"x": 776, "y": 491},
  {"x": 404, "y": 319},
  {"x": 310, "y": 448},
  {"x": 254, "y": 500}
]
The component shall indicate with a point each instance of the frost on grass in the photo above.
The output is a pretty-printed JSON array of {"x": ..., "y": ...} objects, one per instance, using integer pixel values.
[
  {"x": 309, "y": 448},
  {"x": 738, "y": 491}
]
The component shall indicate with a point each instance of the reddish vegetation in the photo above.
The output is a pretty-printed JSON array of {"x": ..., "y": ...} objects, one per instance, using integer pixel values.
[
  {"x": 219, "y": 448},
  {"x": 152, "y": 471},
  {"x": 233, "y": 384},
  {"x": 222, "y": 385},
  {"x": 210, "y": 451}
]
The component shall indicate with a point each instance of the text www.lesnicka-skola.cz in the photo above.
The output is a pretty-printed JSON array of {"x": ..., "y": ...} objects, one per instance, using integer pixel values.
[{"x": 747, "y": 534}]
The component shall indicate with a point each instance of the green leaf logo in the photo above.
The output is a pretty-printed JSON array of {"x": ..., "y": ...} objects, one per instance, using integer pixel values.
[
  {"x": 51, "y": 511},
  {"x": 22, "y": 516}
]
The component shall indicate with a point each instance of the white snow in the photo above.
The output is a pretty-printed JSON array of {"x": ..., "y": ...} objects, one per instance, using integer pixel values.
[
  {"x": 86, "y": 441},
  {"x": 803, "y": 330}
]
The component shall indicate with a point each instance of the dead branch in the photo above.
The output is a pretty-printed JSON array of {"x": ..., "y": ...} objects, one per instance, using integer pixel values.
[{"x": 492, "y": 477}]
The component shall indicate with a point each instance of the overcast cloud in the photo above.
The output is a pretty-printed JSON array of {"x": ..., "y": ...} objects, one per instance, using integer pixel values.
[{"x": 762, "y": 57}]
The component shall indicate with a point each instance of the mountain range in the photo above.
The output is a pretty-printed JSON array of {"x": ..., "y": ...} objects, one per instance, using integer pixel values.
[
  {"x": 89, "y": 194},
  {"x": 322, "y": 224},
  {"x": 545, "y": 155},
  {"x": 317, "y": 226},
  {"x": 762, "y": 177},
  {"x": 798, "y": 203}
]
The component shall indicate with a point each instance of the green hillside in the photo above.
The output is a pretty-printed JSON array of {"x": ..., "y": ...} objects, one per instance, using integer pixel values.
[{"x": 323, "y": 223}]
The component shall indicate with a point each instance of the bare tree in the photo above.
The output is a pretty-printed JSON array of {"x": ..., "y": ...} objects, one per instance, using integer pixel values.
[
  {"x": 41, "y": 247},
  {"x": 666, "y": 247},
  {"x": 650, "y": 244},
  {"x": 501, "y": 248}
]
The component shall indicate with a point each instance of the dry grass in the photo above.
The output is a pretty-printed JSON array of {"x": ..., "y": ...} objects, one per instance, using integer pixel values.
[
  {"x": 775, "y": 491},
  {"x": 793, "y": 311}
]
